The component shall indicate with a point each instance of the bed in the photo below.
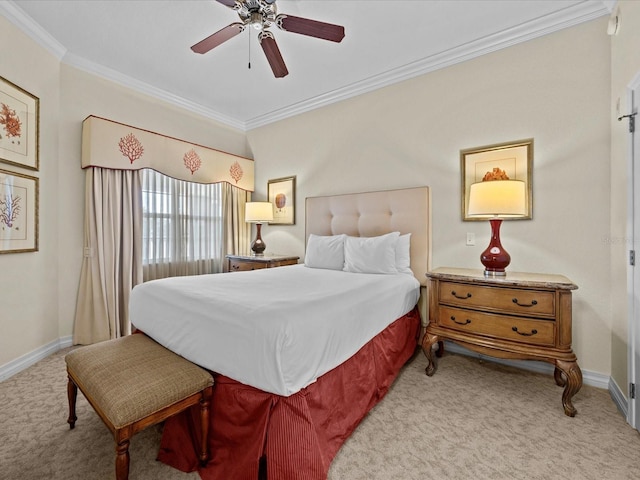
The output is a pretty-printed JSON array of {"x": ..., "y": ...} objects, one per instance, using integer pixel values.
[{"x": 289, "y": 387}]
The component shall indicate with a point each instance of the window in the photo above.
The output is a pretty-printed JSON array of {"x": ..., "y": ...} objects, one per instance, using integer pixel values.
[{"x": 182, "y": 226}]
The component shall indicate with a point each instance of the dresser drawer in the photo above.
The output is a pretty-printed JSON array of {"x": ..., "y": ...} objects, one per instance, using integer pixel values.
[
  {"x": 524, "y": 330},
  {"x": 241, "y": 266},
  {"x": 507, "y": 300}
]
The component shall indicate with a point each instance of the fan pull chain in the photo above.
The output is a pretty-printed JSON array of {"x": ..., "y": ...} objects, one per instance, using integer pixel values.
[{"x": 249, "y": 36}]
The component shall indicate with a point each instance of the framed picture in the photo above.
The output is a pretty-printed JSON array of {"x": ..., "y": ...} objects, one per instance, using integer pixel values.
[
  {"x": 18, "y": 213},
  {"x": 281, "y": 192},
  {"x": 19, "y": 117},
  {"x": 507, "y": 161}
]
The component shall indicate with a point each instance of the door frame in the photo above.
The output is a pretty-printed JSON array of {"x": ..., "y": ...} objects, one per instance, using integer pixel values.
[{"x": 633, "y": 273}]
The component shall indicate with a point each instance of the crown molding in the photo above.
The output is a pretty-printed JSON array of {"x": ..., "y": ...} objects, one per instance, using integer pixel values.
[
  {"x": 25, "y": 23},
  {"x": 16, "y": 15},
  {"x": 147, "y": 89},
  {"x": 569, "y": 17}
]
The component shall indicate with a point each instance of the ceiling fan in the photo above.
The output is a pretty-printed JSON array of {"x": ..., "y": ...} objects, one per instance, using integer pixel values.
[{"x": 261, "y": 14}]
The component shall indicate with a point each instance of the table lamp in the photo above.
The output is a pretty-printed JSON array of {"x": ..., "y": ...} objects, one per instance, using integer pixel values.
[
  {"x": 495, "y": 200},
  {"x": 258, "y": 213}
]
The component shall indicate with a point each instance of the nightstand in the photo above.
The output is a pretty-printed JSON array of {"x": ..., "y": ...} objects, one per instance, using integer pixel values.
[
  {"x": 519, "y": 316},
  {"x": 241, "y": 263}
]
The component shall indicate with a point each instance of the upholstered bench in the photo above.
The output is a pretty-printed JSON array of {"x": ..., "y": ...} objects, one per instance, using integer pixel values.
[{"x": 132, "y": 383}]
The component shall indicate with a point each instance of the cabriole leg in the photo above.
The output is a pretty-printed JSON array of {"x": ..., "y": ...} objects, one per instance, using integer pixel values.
[
  {"x": 572, "y": 375},
  {"x": 427, "y": 347}
]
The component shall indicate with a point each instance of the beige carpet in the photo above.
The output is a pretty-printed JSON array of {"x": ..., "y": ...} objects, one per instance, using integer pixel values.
[{"x": 472, "y": 420}]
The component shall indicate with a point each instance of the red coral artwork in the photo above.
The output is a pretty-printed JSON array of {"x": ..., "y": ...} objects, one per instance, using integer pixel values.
[
  {"x": 192, "y": 161},
  {"x": 9, "y": 210},
  {"x": 131, "y": 147},
  {"x": 496, "y": 174},
  {"x": 236, "y": 171},
  {"x": 11, "y": 121}
]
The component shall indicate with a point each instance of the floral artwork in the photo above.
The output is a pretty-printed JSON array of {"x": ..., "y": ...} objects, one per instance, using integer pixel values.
[
  {"x": 236, "y": 171},
  {"x": 18, "y": 212},
  {"x": 9, "y": 210},
  {"x": 10, "y": 122},
  {"x": 18, "y": 126},
  {"x": 495, "y": 174},
  {"x": 192, "y": 161},
  {"x": 131, "y": 147},
  {"x": 501, "y": 161}
]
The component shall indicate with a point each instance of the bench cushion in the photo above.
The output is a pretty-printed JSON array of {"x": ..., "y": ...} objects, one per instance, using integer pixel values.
[{"x": 130, "y": 378}]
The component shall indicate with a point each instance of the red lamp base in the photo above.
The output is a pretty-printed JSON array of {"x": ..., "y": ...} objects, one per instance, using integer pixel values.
[{"x": 495, "y": 258}]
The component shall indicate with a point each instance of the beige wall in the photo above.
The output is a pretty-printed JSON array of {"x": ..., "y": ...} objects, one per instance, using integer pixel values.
[
  {"x": 625, "y": 66},
  {"x": 38, "y": 290},
  {"x": 28, "y": 296},
  {"x": 555, "y": 89}
]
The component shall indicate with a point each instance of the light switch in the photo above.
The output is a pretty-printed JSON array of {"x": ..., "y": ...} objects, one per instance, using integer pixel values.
[{"x": 471, "y": 239}]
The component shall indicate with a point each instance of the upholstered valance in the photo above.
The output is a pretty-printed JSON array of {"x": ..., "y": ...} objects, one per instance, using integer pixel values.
[{"x": 117, "y": 146}]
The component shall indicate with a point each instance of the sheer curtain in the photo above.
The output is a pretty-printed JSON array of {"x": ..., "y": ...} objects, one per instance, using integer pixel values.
[{"x": 189, "y": 227}]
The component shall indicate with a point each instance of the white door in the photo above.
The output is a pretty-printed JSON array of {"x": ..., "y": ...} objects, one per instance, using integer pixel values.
[{"x": 633, "y": 413}]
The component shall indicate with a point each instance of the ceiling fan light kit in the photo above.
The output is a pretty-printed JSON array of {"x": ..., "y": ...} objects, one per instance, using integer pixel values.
[{"x": 262, "y": 14}]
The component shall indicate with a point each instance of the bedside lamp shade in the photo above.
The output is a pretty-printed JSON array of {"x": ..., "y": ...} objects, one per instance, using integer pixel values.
[
  {"x": 495, "y": 200},
  {"x": 258, "y": 213}
]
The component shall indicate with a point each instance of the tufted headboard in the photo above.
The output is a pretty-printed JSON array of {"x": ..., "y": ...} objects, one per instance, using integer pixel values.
[{"x": 370, "y": 214}]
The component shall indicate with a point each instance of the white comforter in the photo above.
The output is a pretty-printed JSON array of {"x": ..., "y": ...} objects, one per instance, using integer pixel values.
[{"x": 276, "y": 329}]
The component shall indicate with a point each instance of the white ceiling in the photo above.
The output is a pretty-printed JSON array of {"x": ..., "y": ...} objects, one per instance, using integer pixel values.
[{"x": 145, "y": 44}]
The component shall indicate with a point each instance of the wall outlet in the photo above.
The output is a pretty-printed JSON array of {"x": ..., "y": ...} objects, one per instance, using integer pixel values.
[{"x": 471, "y": 239}]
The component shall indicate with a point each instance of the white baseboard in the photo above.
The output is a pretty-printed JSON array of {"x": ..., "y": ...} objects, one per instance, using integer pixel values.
[
  {"x": 9, "y": 369},
  {"x": 619, "y": 398},
  {"x": 593, "y": 379}
]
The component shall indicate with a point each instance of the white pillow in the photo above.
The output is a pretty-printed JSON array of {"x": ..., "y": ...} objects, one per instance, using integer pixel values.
[
  {"x": 403, "y": 254},
  {"x": 325, "y": 252},
  {"x": 371, "y": 254}
]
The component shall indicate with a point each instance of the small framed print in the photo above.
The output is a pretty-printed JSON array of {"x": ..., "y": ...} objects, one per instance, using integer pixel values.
[
  {"x": 19, "y": 117},
  {"x": 504, "y": 161},
  {"x": 18, "y": 213},
  {"x": 281, "y": 192}
]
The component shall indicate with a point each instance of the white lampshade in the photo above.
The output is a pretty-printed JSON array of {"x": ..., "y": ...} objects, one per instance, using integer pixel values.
[
  {"x": 258, "y": 212},
  {"x": 497, "y": 198}
]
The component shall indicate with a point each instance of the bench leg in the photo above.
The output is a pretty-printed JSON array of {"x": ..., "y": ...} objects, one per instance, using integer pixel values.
[
  {"x": 122, "y": 456},
  {"x": 72, "y": 394},
  {"x": 205, "y": 401}
]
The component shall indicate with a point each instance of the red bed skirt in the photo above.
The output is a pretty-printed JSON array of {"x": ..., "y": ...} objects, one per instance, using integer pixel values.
[{"x": 299, "y": 435}]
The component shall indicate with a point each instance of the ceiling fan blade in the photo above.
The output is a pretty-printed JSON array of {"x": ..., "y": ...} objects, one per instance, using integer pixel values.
[
  {"x": 227, "y": 3},
  {"x": 272, "y": 52},
  {"x": 218, "y": 38},
  {"x": 312, "y": 28}
]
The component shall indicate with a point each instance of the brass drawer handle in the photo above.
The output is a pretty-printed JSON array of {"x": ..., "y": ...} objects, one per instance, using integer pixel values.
[
  {"x": 533, "y": 303},
  {"x": 533, "y": 332},
  {"x": 453, "y": 292},
  {"x": 467, "y": 322}
]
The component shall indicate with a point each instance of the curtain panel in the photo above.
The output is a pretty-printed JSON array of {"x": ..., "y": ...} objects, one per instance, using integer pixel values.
[
  {"x": 141, "y": 225},
  {"x": 112, "y": 263}
]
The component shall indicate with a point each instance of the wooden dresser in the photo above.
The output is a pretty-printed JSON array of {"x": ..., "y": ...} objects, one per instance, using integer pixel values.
[
  {"x": 519, "y": 316},
  {"x": 240, "y": 263}
]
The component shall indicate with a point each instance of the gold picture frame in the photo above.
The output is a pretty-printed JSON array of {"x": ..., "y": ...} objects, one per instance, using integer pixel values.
[
  {"x": 19, "y": 124},
  {"x": 281, "y": 192},
  {"x": 18, "y": 212},
  {"x": 515, "y": 159}
]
